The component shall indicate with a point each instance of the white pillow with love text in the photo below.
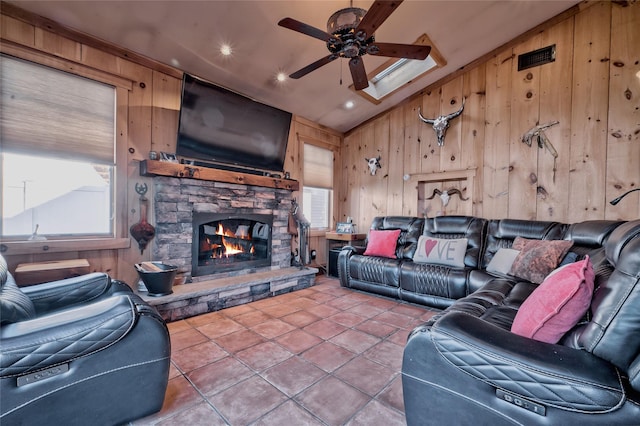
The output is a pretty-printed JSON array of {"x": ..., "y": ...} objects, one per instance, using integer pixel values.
[{"x": 448, "y": 252}]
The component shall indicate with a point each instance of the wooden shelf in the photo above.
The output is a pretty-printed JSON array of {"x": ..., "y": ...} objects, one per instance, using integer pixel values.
[
  {"x": 40, "y": 272},
  {"x": 163, "y": 168},
  {"x": 344, "y": 237}
]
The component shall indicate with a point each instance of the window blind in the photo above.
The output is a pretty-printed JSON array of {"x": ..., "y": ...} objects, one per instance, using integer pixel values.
[
  {"x": 48, "y": 111},
  {"x": 318, "y": 167}
]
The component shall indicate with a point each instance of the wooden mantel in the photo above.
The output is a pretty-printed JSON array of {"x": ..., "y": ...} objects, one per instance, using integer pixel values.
[{"x": 163, "y": 168}]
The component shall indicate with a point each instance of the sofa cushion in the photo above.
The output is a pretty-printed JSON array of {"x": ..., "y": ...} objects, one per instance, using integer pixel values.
[
  {"x": 501, "y": 233},
  {"x": 537, "y": 258},
  {"x": 557, "y": 304},
  {"x": 501, "y": 262},
  {"x": 448, "y": 252},
  {"x": 382, "y": 243},
  {"x": 377, "y": 270}
]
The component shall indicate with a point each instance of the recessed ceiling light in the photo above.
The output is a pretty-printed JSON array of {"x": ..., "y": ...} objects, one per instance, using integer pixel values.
[
  {"x": 281, "y": 77},
  {"x": 175, "y": 62},
  {"x": 349, "y": 104},
  {"x": 225, "y": 49}
]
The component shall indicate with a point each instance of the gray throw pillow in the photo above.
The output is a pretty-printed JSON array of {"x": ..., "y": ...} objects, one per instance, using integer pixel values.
[{"x": 501, "y": 261}]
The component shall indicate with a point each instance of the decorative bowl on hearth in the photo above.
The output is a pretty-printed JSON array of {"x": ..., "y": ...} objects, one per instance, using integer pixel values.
[{"x": 157, "y": 277}]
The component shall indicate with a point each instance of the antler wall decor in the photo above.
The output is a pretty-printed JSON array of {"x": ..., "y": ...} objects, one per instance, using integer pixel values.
[
  {"x": 445, "y": 196},
  {"x": 441, "y": 124},
  {"x": 537, "y": 134}
]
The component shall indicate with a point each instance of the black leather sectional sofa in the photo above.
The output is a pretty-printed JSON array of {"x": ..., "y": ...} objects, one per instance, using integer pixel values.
[{"x": 465, "y": 366}]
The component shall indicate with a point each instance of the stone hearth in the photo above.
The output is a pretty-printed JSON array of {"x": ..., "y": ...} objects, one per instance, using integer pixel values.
[{"x": 207, "y": 296}]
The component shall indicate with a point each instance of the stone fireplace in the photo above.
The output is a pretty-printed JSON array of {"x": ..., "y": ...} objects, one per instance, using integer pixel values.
[
  {"x": 189, "y": 212},
  {"x": 190, "y": 205}
]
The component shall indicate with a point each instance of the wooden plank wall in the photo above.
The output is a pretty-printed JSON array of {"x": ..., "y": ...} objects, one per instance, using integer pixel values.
[
  {"x": 593, "y": 91},
  {"x": 304, "y": 131},
  {"x": 147, "y": 120}
]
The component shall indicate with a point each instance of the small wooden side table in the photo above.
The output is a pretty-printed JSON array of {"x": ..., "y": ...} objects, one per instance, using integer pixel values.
[
  {"x": 41, "y": 272},
  {"x": 335, "y": 240}
]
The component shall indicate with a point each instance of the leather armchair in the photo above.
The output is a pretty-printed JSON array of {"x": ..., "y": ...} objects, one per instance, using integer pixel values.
[{"x": 85, "y": 350}]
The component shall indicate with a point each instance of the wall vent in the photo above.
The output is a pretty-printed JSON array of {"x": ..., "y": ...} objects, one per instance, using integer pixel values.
[{"x": 537, "y": 57}]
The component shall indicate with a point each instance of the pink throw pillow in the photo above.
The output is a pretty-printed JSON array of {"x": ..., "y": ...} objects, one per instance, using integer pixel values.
[
  {"x": 382, "y": 243},
  {"x": 557, "y": 304}
]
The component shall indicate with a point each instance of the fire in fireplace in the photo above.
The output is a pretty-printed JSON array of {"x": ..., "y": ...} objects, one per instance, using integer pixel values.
[{"x": 224, "y": 242}]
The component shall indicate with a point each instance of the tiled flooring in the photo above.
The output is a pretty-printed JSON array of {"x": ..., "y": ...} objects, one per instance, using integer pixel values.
[{"x": 325, "y": 355}]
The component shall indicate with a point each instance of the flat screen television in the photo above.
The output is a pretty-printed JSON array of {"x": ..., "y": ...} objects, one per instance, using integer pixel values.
[{"x": 221, "y": 127}]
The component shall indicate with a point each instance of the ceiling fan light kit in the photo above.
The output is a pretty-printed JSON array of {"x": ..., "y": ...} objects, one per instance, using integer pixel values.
[
  {"x": 350, "y": 34},
  {"x": 345, "y": 20}
]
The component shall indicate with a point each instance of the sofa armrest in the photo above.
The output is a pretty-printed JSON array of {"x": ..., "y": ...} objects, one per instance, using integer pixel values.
[
  {"x": 343, "y": 262},
  {"x": 553, "y": 375},
  {"x": 58, "y": 338},
  {"x": 354, "y": 249},
  {"x": 55, "y": 295}
]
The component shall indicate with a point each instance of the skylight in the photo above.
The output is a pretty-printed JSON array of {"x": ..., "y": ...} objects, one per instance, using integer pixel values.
[{"x": 396, "y": 73}]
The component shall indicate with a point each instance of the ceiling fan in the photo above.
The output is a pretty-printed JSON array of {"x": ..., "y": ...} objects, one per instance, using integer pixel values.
[{"x": 350, "y": 34}]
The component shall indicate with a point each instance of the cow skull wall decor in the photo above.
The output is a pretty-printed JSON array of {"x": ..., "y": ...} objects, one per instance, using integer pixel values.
[
  {"x": 441, "y": 124},
  {"x": 445, "y": 196},
  {"x": 374, "y": 164}
]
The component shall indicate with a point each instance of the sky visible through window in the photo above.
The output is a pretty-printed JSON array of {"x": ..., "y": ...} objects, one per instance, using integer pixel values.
[{"x": 61, "y": 196}]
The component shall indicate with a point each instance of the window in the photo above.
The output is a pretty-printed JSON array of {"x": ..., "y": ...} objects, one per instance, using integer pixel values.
[
  {"x": 396, "y": 73},
  {"x": 318, "y": 186},
  {"x": 58, "y": 153}
]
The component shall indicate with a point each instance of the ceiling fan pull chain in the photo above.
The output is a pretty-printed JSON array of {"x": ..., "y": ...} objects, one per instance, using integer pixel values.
[{"x": 341, "y": 63}]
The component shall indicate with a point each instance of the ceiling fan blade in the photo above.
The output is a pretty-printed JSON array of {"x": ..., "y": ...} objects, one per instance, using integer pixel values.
[
  {"x": 303, "y": 28},
  {"x": 312, "y": 67},
  {"x": 358, "y": 73},
  {"x": 409, "y": 51},
  {"x": 376, "y": 15}
]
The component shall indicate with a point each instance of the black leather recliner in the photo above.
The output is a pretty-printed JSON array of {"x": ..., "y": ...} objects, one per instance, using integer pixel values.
[
  {"x": 80, "y": 351},
  {"x": 465, "y": 367}
]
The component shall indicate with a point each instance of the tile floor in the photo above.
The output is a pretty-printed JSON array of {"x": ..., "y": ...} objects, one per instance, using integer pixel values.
[{"x": 325, "y": 355}]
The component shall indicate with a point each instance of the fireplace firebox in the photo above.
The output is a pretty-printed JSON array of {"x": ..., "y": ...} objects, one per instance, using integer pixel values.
[{"x": 230, "y": 242}]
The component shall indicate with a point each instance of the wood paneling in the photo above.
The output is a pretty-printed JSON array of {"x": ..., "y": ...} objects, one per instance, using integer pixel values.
[
  {"x": 58, "y": 45},
  {"x": 523, "y": 160},
  {"x": 413, "y": 147},
  {"x": 555, "y": 105},
  {"x": 592, "y": 89},
  {"x": 18, "y": 31},
  {"x": 496, "y": 167},
  {"x": 395, "y": 185},
  {"x": 623, "y": 135},
  {"x": 473, "y": 128},
  {"x": 589, "y": 111}
]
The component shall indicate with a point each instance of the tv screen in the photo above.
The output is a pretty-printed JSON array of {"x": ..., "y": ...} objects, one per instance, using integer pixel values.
[{"x": 221, "y": 126}]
